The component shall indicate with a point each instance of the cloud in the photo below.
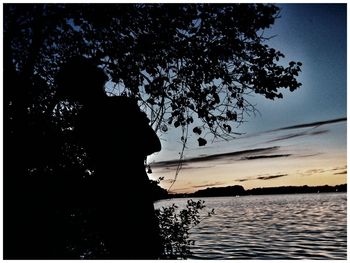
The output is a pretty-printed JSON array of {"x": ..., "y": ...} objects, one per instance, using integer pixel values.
[
  {"x": 271, "y": 177},
  {"x": 171, "y": 167},
  {"x": 215, "y": 157},
  {"x": 251, "y": 154},
  {"x": 197, "y": 167},
  {"x": 335, "y": 171},
  {"x": 288, "y": 136},
  {"x": 308, "y": 155},
  {"x": 265, "y": 156},
  {"x": 312, "y": 124},
  {"x": 298, "y": 134},
  {"x": 305, "y": 133},
  {"x": 318, "y": 132},
  {"x": 303, "y": 125},
  {"x": 207, "y": 185},
  {"x": 184, "y": 166},
  {"x": 261, "y": 177},
  {"x": 343, "y": 172},
  {"x": 243, "y": 180},
  {"x": 340, "y": 170},
  {"x": 313, "y": 171}
]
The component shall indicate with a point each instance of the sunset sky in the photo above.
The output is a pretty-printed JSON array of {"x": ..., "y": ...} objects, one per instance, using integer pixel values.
[{"x": 272, "y": 151}]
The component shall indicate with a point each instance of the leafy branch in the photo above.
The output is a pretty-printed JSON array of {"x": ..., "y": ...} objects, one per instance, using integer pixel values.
[{"x": 175, "y": 226}]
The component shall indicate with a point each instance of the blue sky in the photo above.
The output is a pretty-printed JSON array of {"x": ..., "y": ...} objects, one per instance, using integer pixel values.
[{"x": 314, "y": 34}]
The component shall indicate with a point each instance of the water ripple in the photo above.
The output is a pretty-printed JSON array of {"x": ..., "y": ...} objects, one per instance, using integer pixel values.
[{"x": 305, "y": 226}]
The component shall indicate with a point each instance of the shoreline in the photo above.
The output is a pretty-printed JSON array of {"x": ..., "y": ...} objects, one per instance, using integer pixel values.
[{"x": 237, "y": 190}]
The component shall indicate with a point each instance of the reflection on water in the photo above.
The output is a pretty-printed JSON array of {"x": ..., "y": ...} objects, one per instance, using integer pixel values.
[{"x": 303, "y": 226}]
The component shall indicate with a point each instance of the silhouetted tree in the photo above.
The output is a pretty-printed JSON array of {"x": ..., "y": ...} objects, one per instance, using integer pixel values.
[
  {"x": 179, "y": 61},
  {"x": 220, "y": 191},
  {"x": 158, "y": 192}
]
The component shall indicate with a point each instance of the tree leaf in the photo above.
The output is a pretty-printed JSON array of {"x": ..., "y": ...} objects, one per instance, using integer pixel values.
[{"x": 202, "y": 142}]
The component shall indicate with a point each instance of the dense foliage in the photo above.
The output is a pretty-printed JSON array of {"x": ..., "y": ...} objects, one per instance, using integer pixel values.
[{"x": 181, "y": 61}]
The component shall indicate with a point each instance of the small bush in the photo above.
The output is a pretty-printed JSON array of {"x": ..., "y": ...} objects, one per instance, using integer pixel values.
[{"x": 174, "y": 228}]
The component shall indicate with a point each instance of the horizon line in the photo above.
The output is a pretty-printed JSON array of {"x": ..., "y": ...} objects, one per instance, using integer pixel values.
[{"x": 174, "y": 193}]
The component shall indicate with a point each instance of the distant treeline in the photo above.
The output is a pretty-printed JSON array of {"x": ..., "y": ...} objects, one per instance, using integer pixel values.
[{"x": 239, "y": 190}]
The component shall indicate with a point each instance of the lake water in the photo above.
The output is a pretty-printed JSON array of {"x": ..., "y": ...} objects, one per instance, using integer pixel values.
[{"x": 300, "y": 226}]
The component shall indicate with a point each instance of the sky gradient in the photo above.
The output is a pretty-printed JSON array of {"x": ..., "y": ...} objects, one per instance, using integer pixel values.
[{"x": 312, "y": 154}]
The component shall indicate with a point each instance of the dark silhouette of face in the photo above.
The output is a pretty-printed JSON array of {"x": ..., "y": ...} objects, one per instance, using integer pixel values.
[{"x": 80, "y": 79}]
